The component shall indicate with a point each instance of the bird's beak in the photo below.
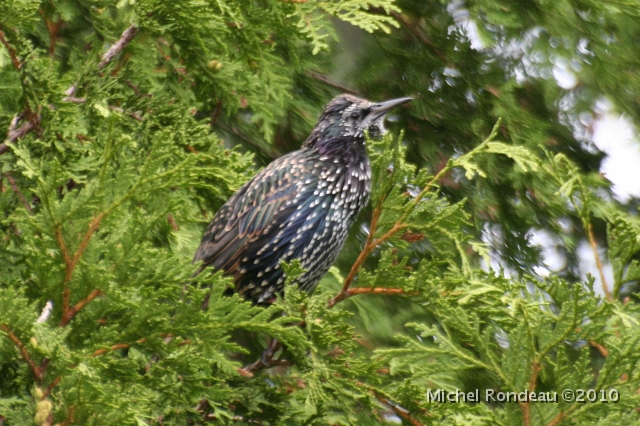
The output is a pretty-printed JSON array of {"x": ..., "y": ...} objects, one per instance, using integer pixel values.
[{"x": 380, "y": 109}]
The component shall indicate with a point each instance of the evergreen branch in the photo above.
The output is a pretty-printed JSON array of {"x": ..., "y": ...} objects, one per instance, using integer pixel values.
[
  {"x": 583, "y": 212},
  {"x": 600, "y": 348},
  {"x": 263, "y": 150},
  {"x": 16, "y": 189},
  {"x": 535, "y": 370},
  {"x": 133, "y": 115},
  {"x": 398, "y": 410},
  {"x": 81, "y": 304},
  {"x": 126, "y": 38},
  {"x": 38, "y": 372},
  {"x": 372, "y": 243},
  {"x": 369, "y": 290},
  {"x": 70, "y": 266},
  {"x": 561, "y": 416},
  {"x": 265, "y": 361},
  {"x": 16, "y": 132},
  {"x": 70, "y": 416},
  {"x": 418, "y": 34},
  {"x": 52, "y": 28},
  {"x": 323, "y": 79},
  {"x": 526, "y": 406},
  {"x": 49, "y": 388},
  {"x": 12, "y": 52},
  {"x": 537, "y": 366},
  {"x": 596, "y": 255},
  {"x": 115, "y": 347},
  {"x": 72, "y": 262}
]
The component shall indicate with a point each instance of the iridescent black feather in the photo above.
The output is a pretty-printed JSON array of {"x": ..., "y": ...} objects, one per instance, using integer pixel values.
[{"x": 301, "y": 206}]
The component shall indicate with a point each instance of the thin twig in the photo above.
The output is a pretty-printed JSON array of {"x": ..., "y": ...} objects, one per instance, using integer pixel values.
[
  {"x": 397, "y": 409},
  {"x": 525, "y": 406},
  {"x": 323, "y": 79},
  {"x": 49, "y": 388},
  {"x": 594, "y": 248},
  {"x": 70, "y": 416},
  {"x": 16, "y": 189},
  {"x": 122, "y": 42},
  {"x": 70, "y": 266},
  {"x": 603, "y": 351},
  {"x": 81, "y": 304},
  {"x": 116, "y": 347},
  {"x": 368, "y": 290},
  {"x": 557, "y": 419},
  {"x": 12, "y": 52},
  {"x": 37, "y": 371}
]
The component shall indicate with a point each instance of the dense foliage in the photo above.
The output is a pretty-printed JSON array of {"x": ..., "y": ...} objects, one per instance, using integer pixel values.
[{"x": 129, "y": 124}]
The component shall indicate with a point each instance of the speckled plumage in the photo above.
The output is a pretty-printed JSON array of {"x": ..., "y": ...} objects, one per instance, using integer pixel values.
[{"x": 300, "y": 206}]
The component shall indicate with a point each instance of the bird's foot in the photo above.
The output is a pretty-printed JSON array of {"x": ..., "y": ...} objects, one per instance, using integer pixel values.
[{"x": 266, "y": 360}]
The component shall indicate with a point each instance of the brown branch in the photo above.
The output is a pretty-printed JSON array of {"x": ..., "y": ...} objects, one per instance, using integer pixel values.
[
  {"x": 81, "y": 304},
  {"x": 16, "y": 189},
  {"x": 368, "y": 290},
  {"x": 70, "y": 416},
  {"x": 12, "y": 52},
  {"x": 116, "y": 347},
  {"x": 594, "y": 248},
  {"x": 366, "y": 251},
  {"x": 70, "y": 266},
  {"x": 557, "y": 419},
  {"x": 525, "y": 406},
  {"x": 52, "y": 28},
  {"x": 97, "y": 353},
  {"x": 603, "y": 351},
  {"x": 323, "y": 79},
  {"x": 37, "y": 371},
  {"x": 372, "y": 243},
  {"x": 52, "y": 385},
  {"x": 122, "y": 42}
]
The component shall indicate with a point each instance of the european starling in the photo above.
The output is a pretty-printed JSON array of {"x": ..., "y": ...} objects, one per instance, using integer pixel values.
[{"x": 300, "y": 206}]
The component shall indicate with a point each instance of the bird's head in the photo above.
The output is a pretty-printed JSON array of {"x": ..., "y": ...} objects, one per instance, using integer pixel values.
[{"x": 347, "y": 116}]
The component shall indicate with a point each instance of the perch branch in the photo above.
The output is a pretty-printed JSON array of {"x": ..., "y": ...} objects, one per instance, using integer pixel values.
[{"x": 372, "y": 243}]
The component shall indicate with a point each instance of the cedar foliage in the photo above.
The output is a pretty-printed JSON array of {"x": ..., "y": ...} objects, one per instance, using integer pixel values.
[{"x": 113, "y": 166}]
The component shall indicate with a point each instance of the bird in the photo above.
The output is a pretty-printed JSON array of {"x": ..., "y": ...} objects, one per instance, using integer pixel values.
[{"x": 300, "y": 206}]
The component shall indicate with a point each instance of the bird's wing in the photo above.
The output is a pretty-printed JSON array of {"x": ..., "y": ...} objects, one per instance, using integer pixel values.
[{"x": 258, "y": 226}]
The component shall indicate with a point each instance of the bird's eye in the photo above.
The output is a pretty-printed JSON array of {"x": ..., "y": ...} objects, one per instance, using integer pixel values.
[{"x": 355, "y": 115}]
